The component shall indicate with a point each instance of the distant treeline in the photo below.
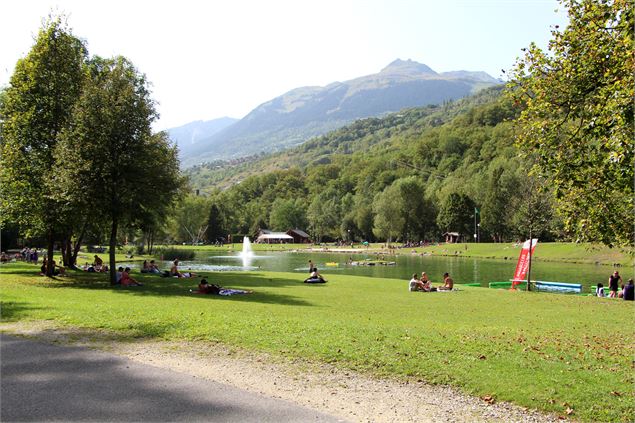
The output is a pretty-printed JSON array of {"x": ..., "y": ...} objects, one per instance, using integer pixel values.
[{"x": 411, "y": 175}]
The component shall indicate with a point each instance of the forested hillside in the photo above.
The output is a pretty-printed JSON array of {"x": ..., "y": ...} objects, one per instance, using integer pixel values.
[{"x": 409, "y": 176}]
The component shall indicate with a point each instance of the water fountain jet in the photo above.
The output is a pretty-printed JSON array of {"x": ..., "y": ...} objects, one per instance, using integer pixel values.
[{"x": 247, "y": 251}]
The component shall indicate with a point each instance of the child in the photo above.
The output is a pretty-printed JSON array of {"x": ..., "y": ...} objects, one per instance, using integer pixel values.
[{"x": 599, "y": 291}]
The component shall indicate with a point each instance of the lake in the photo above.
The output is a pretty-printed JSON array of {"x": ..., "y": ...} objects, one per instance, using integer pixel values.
[{"x": 462, "y": 270}]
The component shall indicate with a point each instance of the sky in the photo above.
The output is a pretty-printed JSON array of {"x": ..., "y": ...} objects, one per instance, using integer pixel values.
[{"x": 209, "y": 59}]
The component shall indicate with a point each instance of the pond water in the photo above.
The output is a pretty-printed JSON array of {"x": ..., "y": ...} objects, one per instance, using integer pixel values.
[{"x": 462, "y": 270}]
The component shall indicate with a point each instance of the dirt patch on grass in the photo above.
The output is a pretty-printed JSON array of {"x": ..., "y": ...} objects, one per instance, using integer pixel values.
[{"x": 342, "y": 393}]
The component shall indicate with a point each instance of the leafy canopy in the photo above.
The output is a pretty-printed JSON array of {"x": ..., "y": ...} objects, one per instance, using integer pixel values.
[{"x": 578, "y": 117}]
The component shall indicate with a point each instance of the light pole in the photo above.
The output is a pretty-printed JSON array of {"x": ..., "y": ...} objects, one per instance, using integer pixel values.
[
  {"x": 478, "y": 232},
  {"x": 475, "y": 236}
]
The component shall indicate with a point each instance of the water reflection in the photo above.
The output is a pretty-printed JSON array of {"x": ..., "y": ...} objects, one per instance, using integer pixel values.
[{"x": 463, "y": 270}]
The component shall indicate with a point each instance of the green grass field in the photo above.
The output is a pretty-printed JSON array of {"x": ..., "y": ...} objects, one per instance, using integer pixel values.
[{"x": 545, "y": 351}]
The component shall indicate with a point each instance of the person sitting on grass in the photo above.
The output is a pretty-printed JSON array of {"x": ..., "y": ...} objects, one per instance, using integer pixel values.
[
  {"x": 415, "y": 284},
  {"x": 57, "y": 270},
  {"x": 118, "y": 275},
  {"x": 126, "y": 280},
  {"x": 145, "y": 268},
  {"x": 629, "y": 291},
  {"x": 153, "y": 267},
  {"x": 599, "y": 290},
  {"x": 98, "y": 264},
  {"x": 448, "y": 283},
  {"x": 316, "y": 275},
  {"x": 174, "y": 271},
  {"x": 427, "y": 285}
]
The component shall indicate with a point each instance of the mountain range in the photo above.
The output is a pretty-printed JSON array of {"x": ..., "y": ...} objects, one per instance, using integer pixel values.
[
  {"x": 187, "y": 136},
  {"x": 306, "y": 112}
]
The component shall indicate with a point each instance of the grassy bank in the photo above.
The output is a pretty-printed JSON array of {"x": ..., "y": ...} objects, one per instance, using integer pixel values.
[{"x": 544, "y": 351}]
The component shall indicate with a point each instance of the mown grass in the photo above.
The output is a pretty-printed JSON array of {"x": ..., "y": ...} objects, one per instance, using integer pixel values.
[{"x": 545, "y": 351}]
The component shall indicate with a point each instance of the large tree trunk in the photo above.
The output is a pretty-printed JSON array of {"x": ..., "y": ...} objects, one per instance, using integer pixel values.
[
  {"x": 150, "y": 242},
  {"x": 49, "y": 256},
  {"x": 66, "y": 251},
  {"x": 111, "y": 252},
  {"x": 76, "y": 247}
]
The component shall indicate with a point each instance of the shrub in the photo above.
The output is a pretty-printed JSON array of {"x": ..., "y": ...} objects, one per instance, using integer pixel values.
[{"x": 175, "y": 253}]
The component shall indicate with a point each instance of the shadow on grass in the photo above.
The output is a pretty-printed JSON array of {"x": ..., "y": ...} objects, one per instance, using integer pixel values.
[
  {"x": 169, "y": 287},
  {"x": 11, "y": 311}
]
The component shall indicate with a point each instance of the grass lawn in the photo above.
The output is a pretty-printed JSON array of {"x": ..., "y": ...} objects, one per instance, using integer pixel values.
[{"x": 545, "y": 351}]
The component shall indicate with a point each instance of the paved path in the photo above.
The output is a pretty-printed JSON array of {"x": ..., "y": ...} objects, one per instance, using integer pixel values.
[{"x": 42, "y": 382}]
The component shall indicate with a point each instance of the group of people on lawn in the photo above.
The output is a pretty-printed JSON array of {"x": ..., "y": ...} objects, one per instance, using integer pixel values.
[
  {"x": 627, "y": 292},
  {"x": 96, "y": 266},
  {"x": 423, "y": 283}
]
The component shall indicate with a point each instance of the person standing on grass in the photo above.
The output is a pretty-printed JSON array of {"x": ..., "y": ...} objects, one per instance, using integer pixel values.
[
  {"x": 448, "y": 283},
  {"x": 310, "y": 266},
  {"x": 614, "y": 283}
]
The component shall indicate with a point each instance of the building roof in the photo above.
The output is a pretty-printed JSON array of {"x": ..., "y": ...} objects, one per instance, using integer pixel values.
[
  {"x": 299, "y": 232},
  {"x": 274, "y": 235}
]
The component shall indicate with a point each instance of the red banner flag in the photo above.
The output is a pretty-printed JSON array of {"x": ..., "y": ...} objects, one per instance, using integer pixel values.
[{"x": 523, "y": 261}]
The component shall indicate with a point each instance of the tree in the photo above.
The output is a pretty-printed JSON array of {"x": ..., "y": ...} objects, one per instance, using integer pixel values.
[
  {"x": 402, "y": 210},
  {"x": 323, "y": 215},
  {"x": 216, "y": 226},
  {"x": 457, "y": 214},
  {"x": 501, "y": 191},
  {"x": 36, "y": 108},
  {"x": 109, "y": 151},
  {"x": 190, "y": 218},
  {"x": 534, "y": 213},
  {"x": 417, "y": 211},
  {"x": 389, "y": 220},
  {"x": 578, "y": 117},
  {"x": 287, "y": 214}
]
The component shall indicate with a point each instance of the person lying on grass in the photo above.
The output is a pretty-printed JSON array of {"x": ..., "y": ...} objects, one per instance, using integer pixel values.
[
  {"x": 126, "y": 280},
  {"x": 205, "y": 288},
  {"x": 448, "y": 283}
]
